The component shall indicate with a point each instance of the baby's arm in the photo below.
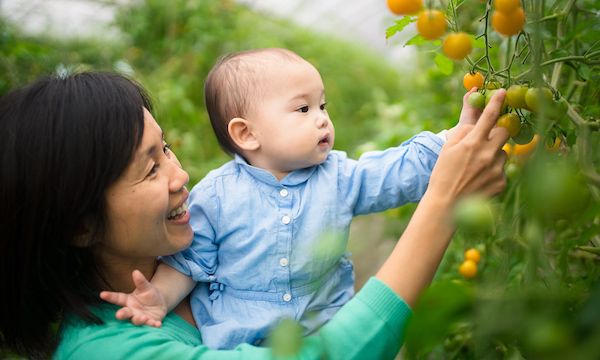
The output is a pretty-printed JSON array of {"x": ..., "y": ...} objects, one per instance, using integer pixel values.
[{"x": 150, "y": 302}]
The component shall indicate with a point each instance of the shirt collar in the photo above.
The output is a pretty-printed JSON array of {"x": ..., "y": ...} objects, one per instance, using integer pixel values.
[{"x": 294, "y": 178}]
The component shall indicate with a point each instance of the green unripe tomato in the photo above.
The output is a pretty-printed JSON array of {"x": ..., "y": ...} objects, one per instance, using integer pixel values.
[
  {"x": 525, "y": 135},
  {"x": 476, "y": 100},
  {"x": 474, "y": 214},
  {"x": 488, "y": 97},
  {"x": 515, "y": 95},
  {"x": 558, "y": 108},
  {"x": 513, "y": 171},
  {"x": 537, "y": 97}
]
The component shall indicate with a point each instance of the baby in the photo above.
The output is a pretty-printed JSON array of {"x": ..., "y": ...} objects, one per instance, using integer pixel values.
[{"x": 271, "y": 226}]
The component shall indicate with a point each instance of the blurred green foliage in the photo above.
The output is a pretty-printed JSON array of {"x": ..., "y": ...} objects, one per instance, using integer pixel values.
[{"x": 171, "y": 46}]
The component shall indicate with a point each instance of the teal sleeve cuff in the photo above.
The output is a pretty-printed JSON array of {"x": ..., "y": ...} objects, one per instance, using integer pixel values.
[{"x": 387, "y": 304}]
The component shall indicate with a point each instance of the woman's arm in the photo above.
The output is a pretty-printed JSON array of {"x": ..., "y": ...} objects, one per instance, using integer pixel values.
[{"x": 471, "y": 162}]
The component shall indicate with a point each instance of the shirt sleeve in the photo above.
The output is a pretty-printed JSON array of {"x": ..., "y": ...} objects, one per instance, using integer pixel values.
[
  {"x": 370, "y": 326},
  {"x": 381, "y": 180},
  {"x": 199, "y": 260}
]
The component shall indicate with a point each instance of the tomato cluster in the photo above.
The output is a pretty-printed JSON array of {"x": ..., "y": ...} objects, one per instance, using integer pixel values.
[
  {"x": 509, "y": 17},
  {"x": 468, "y": 268},
  {"x": 522, "y": 105}
]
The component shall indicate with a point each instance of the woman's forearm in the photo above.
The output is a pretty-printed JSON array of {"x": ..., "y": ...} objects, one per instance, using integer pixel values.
[{"x": 417, "y": 255}]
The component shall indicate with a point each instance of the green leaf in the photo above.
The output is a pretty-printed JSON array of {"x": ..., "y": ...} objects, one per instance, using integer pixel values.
[
  {"x": 400, "y": 24},
  {"x": 445, "y": 303},
  {"x": 417, "y": 40},
  {"x": 584, "y": 71},
  {"x": 445, "y": 65}
]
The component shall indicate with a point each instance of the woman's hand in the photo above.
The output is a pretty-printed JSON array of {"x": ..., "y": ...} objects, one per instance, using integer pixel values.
[
  {"x": 144, "y": 306},
  {"x": 473, "y": 159},
  {"x": 468, "y": 116}
]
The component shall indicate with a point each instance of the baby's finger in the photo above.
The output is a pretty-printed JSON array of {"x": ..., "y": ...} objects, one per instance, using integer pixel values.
[
  {"x": 154, "y": 323},
  {"x": 139, "y": 320},
  {"x": 114, "y": 297},
  {"x": 140, "y": 281},
  {"x": 489, "y": 117},
  {"x": 124, "y": 314}
]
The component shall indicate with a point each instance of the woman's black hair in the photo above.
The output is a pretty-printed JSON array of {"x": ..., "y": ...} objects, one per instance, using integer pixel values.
[{"x": 63, "y": 142}]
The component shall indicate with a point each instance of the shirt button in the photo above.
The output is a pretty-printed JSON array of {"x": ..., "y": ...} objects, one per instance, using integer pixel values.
[
  {"x": 286, "y": 220},
  {"x": 283, "y": 262},
  {"x": 283, "y": 192},
  {"x": 287, "y": 297}
]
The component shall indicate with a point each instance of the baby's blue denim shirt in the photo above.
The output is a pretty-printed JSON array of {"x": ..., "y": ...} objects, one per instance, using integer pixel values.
[{"x": 264, "y": 249}]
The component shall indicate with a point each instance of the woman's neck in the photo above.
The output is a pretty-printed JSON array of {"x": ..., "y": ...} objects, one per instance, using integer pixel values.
[{"x": 118, "y": 273}]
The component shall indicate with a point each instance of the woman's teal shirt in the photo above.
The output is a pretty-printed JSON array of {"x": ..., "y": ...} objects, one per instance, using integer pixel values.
[{"x": 370, "y": 326}]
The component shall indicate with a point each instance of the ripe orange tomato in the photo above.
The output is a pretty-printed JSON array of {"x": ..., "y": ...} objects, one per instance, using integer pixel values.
[
  {"x": 473, "y": 254},
  {"x": 457, "y": 46},
  {"x": 506, "y": 6},
  {"x": 507, "y": 148},
  {"x": 473, "y": 80},
  {"x": 468, "y": 269},
  {"x": 515, "y": 95},
  {"x": 431, "y": 24},
  {"x": 405, "y": 7},
  {"x": 524, "y": 150},
  {"x": 508, "y": 24},
  {"x": 510, "y": 122}
]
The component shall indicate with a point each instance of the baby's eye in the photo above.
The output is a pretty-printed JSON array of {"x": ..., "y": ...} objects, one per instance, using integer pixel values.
[
  {"x": 303, "y": 109},
  {"x": 324, "y": 105}
]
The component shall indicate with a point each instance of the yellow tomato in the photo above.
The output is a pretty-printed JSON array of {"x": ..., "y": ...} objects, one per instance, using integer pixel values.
[
  {"x": 431, "y": 24},
  {"x": 473, "y": 254},
  {"x": 457, "y": 46},
  {"x": 508, "y": 24},
  {"x": 473, "y": 80},
  {"x": 507, "y": 149},
  {"x": 468, "y": 269},
  {"x": 405, "y": 7}
]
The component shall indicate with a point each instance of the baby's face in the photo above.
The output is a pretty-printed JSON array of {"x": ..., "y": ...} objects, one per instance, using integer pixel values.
[{"x": 291, "y": 122}]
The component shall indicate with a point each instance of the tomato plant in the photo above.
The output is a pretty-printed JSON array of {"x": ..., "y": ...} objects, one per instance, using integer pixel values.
[{"x": 543, "y": 249}]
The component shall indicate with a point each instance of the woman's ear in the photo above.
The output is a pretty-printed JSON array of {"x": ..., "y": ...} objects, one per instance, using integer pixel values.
[
  {"x": 84, "y": 235},
  {"x": 242, "y": 135}
]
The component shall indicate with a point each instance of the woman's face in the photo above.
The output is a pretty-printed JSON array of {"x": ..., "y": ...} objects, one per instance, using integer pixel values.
[{"x": 147, "y": 205}]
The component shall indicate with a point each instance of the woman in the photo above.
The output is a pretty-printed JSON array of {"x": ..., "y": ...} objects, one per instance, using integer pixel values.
[{"x": 90, "y": 192}]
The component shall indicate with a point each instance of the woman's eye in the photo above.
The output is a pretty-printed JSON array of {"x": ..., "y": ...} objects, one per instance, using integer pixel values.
[
  {"x": 324, "y": 105},
  {"x": 153, "y": 170},
  {"x": 166, "y": 148},
  {"x": 303, "y": 109}
]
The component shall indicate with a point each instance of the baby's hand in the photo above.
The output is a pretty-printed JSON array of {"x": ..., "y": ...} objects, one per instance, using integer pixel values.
[
  {"x": 468, "y": 116},
  {"x": 146, "y": 305}
]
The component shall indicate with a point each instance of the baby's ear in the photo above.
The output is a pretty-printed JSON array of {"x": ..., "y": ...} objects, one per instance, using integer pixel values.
[{"x": 241, "y": 133}]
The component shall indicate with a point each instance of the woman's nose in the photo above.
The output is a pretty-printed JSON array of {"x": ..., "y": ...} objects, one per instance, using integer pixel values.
[{"x": 178, "y": 177}]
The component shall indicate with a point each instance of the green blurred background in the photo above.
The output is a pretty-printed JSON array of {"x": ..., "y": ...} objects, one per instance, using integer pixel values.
[{"x": 169, "y": 46}]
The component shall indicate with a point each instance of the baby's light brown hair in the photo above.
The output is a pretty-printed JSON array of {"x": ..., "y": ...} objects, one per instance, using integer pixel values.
[{"x": 236, "y": 85}]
